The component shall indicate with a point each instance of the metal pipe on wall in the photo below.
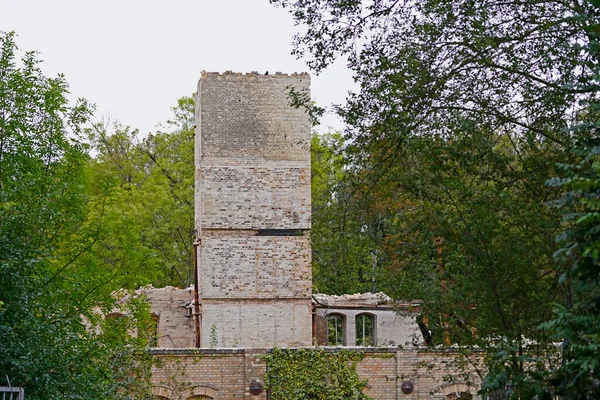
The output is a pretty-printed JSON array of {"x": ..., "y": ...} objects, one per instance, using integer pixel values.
[{"x": 197, "y": 316}]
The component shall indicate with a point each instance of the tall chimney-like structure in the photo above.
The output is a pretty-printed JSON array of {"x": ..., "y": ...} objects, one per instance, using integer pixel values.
[{"x": 253, "y": 210}]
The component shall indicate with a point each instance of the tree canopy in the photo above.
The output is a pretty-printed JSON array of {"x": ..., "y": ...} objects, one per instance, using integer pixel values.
[
  {"x": 53, "y": 341},
  {"x": 464, "y": 111},
  {"x": 143, "y": 190}
]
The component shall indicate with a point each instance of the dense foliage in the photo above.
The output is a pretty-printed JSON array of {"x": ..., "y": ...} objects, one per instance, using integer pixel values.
[
  {"x": 313, "y": 373},
  {"x": 143, "y": 192},
  {"x": 465, "y": 110},
  {"x": 342, "y": 253},
  {"x": 577, "y": 322},
  {"x": 53, "y": 341}
]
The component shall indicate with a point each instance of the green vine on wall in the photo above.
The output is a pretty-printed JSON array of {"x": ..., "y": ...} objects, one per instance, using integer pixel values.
[{"x": 313, "y": 373}]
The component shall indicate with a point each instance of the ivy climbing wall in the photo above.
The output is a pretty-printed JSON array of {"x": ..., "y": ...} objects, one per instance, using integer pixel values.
[{"x": 378, "y": 373}]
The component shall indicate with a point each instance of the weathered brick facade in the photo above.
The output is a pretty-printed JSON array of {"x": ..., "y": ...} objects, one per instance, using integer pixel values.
[
  {"x": 228, "y": 373},
  {"x": 253, "y": 210}
]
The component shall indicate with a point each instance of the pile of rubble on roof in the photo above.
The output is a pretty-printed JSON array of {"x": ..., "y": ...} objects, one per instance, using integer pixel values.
[{"x": 358, "y": 299}]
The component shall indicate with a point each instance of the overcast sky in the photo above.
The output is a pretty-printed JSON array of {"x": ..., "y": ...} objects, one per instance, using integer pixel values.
[{"x": 134, "y": 58}]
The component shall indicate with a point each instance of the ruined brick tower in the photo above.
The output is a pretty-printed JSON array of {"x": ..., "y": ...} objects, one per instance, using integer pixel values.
[{"x": 253, "y": 210}]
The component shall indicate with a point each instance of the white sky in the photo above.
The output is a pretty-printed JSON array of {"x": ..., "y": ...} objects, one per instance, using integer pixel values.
[{"x": 135, "y": 58}]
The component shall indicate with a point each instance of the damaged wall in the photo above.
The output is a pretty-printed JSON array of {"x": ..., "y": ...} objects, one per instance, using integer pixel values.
[
  {"x": 170, "y": 307},
  {"x": 394, "y": 321},
  {"x": 253, "y": 210}
]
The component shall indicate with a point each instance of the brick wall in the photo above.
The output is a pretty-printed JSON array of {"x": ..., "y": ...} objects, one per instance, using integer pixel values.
[
  {"x": 219, "y": 374},
  {"x": 248, "y": 116},
  {"x": 242, "y": 323},
  {"x": 256, "y": 267},
  {"x": 379, "y": 367},
  {"x": 260, "y": 196},
  {"x": 226, "y": 374},
  {"x": 436, "y": 372},
  {"x": 169, "y": 306},
  {"x": 252, "y": 175},
  {"x": 252, "y": 152}
]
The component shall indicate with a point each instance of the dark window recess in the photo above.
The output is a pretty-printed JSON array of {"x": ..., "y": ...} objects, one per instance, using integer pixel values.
[
  {"x": 279, "y": 232},
  {"x": 365, "y": 330}
]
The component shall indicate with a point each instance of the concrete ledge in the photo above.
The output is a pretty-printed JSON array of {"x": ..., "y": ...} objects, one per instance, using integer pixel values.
[{"x": 440, "y": 349}]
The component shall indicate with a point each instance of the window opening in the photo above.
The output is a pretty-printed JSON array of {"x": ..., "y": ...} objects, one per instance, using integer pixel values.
[
  {"x": 335, "y": 330},
  {"x": 153, "y": 330},
  {"x": 365, "y": 330}
]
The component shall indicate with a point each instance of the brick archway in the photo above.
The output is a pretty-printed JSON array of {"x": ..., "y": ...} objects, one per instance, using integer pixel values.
[
  {"x": 450, "y": 390},
  {"x": 163, "y": 392},
  {"x": 201, "y": 391}
]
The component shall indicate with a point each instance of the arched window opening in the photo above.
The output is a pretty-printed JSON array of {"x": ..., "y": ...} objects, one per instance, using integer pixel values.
[
  {"x": 153, "y": 330},
  {"x": 335, "y": 330},
  {"x": 365, "y": 330},
  {"x": 115, "y": 327}
]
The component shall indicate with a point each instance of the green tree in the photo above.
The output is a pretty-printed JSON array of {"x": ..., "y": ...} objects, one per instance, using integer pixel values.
[
  {"x": 426, "y": 67},
  {"x": 142, "y": 197},
  {"x": 576, "y": 322},
  {"x": 44, "y": 344},
  {"x": 463, "y": 110},
  {"x": 573, "y": 372},
  {"x": 347, "y": 233}
]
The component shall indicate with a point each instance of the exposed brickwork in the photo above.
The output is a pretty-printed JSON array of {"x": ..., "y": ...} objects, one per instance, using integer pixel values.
[
  {"x": 217, "y": 374},
  {"x": 252, "y": 174},
  {"x": 242, "y": 323},
  {"x": 168, "y": 305},
  {"x": 226, "y": 374},
  {"x": 256, "y": 197},
  {"x": 256, "y": 368},
  {"x": 256, "y": 267},
  {"x": 249, "y": 116},
  {"x": 252, "y": 152},
  {"x": 380, "y": 370},
  {"x": 434, "y": 370}
]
